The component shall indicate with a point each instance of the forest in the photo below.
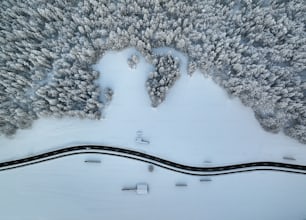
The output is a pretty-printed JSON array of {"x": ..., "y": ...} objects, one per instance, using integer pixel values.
[{"x": 254, "y": 49}]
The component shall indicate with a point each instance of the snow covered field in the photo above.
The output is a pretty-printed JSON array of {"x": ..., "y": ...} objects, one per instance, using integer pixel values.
[
  {"x": 197, "y": 122},
  {"x": 69, "y": 189}
]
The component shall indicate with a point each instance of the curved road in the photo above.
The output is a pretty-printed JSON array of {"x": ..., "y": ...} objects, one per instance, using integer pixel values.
[{"x": 136, "y": 155}]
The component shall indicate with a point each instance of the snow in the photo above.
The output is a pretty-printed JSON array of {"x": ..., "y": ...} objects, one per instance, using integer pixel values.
[
  {"x": 197, "y": 121},
  {"x": 69, "y": 189},
  {"x": 198, "y": 124}
]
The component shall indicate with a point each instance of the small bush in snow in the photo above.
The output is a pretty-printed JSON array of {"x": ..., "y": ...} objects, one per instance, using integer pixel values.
[{"x": 133, "y": 61}]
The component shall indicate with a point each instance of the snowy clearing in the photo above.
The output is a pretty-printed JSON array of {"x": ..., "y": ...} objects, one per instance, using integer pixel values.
[
  {"x": 197, "y": 122},
  {"x": 255, "y": 50},
  {"x": 79, "y": 191}
]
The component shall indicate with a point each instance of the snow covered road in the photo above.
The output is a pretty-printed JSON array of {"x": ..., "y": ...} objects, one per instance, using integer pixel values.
[{"x": 140, "y": 156}]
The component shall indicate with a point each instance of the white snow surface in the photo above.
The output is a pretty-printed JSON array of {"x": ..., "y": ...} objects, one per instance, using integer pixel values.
[
  {"x": 197, "y": 122},
  {"x": 69, "y": 189}
]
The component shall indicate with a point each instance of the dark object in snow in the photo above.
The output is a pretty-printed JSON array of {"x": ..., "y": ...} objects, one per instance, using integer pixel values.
[
  {"x": 181, "y": 185},
  {"x": 92, "y": 161},
  {"x": 140, "y": 139},
  {"x": 289, "y": 158},
  {"x": 108, "y": 95},
  {"x": 140, "y": 188},
  {"x": 151, "y": 168},
  {"x": 206, "y": 179}
]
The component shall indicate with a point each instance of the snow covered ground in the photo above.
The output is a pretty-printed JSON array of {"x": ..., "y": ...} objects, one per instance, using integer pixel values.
[
  {"x": 197, "y": 122},
  {"x": 69, "y": 189}
]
